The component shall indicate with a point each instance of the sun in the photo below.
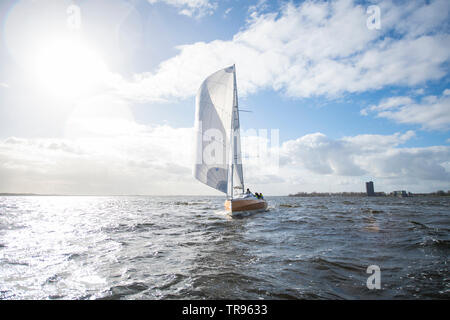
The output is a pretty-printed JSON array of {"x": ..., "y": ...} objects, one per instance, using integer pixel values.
[{"x": 68, "y": 68}]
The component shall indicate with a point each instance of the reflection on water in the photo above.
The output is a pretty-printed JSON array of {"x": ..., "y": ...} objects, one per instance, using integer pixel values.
[{"x": 188, "y": 248}]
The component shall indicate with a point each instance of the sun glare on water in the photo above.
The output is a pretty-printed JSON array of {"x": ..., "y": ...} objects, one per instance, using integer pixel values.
[{"x": 68, "y": 68}]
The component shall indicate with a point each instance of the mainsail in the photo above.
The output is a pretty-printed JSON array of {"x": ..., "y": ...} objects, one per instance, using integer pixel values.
[{"x": 218, "y": 155}]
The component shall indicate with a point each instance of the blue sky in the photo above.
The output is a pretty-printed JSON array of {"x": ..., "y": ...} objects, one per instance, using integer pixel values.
[{"x": 89, "y": 84}]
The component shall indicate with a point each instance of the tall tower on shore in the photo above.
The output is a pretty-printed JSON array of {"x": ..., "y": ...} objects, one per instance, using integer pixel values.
[{"x": 369, "y": 189}]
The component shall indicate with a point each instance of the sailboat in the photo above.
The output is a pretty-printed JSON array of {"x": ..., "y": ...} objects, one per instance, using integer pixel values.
[{"x": 218, "y": 159}]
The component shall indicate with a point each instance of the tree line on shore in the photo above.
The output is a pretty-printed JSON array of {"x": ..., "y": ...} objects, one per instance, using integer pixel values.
[{"x": 364, "y": 194}]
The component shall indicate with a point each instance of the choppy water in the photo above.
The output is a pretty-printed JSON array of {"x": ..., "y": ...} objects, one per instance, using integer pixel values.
[{"x": 187, "y": 248}]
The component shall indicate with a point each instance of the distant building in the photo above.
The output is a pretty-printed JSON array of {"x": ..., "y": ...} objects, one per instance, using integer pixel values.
[
  {"x": 370, "y": 189},
  {"x": 401, "y": 193}
]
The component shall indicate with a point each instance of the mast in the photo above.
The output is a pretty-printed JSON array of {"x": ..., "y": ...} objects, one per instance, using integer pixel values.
[
  {"x": 232, "y": 134},
  {"x": 236, "y": 124},
  {"x": 233, "y": 143}
]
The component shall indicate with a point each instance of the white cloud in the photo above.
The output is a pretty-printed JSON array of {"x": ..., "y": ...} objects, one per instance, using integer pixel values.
[
  {"x": 146, "y": 163},
  {"x": 4, "y": 85},
  {"x": 431, "y": 112},
  {"x": 315, "y": 48},
  {"x": 377, "y": 142},
  {"x": 389, "y": 103},
  {"x": 157, "y": 160},
  {"x": 191, "y": 8},
  {"x": 104, "y": 151},
  {"x": 415, "y": 18},
  {"x": 227, "y": 11},
  {"x": 419, "y": 91},
  {"x": 324, "y": 164},
  {"x": 257, "y": 8},
  {"x": 321, "y": 155}
]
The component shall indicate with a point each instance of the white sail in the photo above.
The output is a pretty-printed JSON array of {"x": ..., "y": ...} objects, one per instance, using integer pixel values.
[{"x": 213, "y": 125}]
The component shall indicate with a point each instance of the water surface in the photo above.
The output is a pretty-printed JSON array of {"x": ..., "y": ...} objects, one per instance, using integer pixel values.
[{"x": 143, "y": 247}]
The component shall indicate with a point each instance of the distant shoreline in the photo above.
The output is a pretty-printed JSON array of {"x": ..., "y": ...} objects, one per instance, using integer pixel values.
[{"x": 364, "y": 194}]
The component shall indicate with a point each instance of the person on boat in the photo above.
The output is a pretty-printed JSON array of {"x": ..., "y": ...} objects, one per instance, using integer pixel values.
[
  {"x": 248, "y": 191},
  {"x": 257, "y": 195},
  {"x": 261, "y": 196}
]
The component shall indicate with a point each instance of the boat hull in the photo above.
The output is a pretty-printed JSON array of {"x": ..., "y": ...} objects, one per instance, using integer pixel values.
[{"x": 245, "y": 205}]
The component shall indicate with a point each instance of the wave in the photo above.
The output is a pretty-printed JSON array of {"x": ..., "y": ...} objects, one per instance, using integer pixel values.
[
  {"x": 320, "y": 206},
  {"x": 370, "y": 210},
  {"x": 174, "y": 279},
  {"x": 323, "y": 264},
  {"x": 187, "y": 203},
  {"x": 122, "y": 291},
  {"x": 289, "y": 205},
  {"x": 441, "y": 244},
  {"x": 418, "y": 224}
]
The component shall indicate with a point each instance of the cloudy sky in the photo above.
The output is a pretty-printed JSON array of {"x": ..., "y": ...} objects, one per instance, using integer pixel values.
[{"x": 98, "y": 96}]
